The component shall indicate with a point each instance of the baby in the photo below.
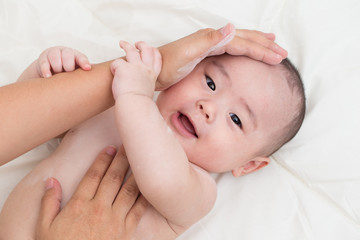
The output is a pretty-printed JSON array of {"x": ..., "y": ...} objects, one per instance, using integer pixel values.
[{"x": 229, "y": 114}]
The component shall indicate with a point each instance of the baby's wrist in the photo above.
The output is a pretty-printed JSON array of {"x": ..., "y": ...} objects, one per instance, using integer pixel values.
[
  {"x": 132, "y": 100},
  {"x": 134, "y": 94},
  {"x": 133, "y": 88}
]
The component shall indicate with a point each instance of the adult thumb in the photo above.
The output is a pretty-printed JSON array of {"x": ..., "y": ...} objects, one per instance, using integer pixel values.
[
  {"x": 50, "y": 204},
  {"x": 180, "y": 57},
  {"x": 220, "y": 38},
  {"x": 208, "y": 41}
]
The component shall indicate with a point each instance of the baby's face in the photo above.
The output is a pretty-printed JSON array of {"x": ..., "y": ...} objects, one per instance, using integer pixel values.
[{"x": 226, "y": 110}]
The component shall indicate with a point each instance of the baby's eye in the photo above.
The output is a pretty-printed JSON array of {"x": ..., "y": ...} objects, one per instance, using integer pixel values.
[
  {"x": 210, "y": 83},
  {"x": 235, "y": 119}
]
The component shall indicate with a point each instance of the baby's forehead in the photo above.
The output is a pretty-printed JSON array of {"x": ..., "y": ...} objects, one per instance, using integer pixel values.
[
  {"x": 243, "y": 68},
  {"x": 241, "y": 63},
  {"x": 251, "y": 76},
  {"x": 264, "y": 87}
]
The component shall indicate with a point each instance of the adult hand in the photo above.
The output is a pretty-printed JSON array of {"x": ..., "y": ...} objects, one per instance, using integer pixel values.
[
  {"x": 97, "y": 210},
  {"x": 181, "y": 56}
]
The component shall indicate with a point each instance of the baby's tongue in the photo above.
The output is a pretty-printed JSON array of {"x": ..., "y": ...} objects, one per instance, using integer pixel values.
[{"x": 187, "y": 124}]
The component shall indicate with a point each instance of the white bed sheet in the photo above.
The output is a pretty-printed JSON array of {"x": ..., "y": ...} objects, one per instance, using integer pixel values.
[{"x": 311, "y": 189}]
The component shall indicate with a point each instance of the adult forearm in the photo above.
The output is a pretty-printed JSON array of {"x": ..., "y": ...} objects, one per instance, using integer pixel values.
[{"x": 37, "y": 110}]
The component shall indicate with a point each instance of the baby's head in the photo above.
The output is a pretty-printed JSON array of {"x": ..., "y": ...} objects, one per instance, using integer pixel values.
[{"x": 232, "y": 112}]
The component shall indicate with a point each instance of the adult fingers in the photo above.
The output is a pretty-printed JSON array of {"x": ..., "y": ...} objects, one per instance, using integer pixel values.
[
  {"x": 264, "y": 39},
  {"x": 157, "y": 65},
  {"x": 126, "y": 197},
  {"x": 180, "y": 57},
  {"x": 241, "y": 46},
  {"x": 111, "y": 183},
  {"x": 137, "y": 211},
  {"x": 207, "y": 40},
  {"x": 91, "y": 181},
  {"x": 270, "y": 36},
  {"x": 50, "y": 205},
  {"x": 228, "y": 31}
]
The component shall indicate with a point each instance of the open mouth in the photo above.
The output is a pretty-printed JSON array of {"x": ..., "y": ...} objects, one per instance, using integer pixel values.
[{"x": 184, "y": 125}]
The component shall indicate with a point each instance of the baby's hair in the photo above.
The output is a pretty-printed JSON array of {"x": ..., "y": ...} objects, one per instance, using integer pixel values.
[{"x": 297, "y": 87}]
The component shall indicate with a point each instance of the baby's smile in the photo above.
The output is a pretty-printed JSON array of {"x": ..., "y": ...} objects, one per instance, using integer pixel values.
[{"x": 183, "y": 125}]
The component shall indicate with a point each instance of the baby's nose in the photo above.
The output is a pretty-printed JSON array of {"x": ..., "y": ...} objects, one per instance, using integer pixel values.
[{"x": 207, "y": 110}]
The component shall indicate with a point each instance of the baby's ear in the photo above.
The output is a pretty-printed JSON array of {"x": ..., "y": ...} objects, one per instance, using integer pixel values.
[{"x": 251, "y": 166}]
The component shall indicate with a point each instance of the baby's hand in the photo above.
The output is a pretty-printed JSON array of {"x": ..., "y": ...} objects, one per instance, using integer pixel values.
[
  {"x": 60, "y": 59},
  {"x": 138, "y": 73}
]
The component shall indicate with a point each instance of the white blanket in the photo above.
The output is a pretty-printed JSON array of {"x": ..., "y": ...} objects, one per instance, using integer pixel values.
[{"x": 311, "y": 189}]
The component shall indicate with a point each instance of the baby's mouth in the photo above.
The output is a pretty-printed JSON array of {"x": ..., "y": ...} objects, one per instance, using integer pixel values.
[{"x": 187, "y": 124}]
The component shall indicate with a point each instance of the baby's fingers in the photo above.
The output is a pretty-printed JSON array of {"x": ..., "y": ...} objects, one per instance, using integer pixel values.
[
  {"x": 72, "y": 58},
  {"x": 116, "y": 64},
  {"x": 55, "y": 60},
  {"x": 132, "y": 54},
  {"x": 82, "y": 61},
  {"x": 44, "y": 68},
  {"x": 150, "y": 56},
  {"x": 50, "y": 61},
  {"x": 68, "y": 59},
  {"x": 146, "y": 53}
]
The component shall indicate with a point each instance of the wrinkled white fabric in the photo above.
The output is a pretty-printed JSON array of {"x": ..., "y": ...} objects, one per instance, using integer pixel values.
[{"x": 311, "y": 189}]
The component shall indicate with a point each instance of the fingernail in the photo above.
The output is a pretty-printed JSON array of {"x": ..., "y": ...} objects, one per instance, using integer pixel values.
[
  {"x": 278, "y": 57},
  {"x": 223, "y": 30},
  {"x": 270, "y": 36},
  {"x": 279, "y": 50},
  {"x": 111, "y": 151},
  {"x": 122, "y": 43},
  {"x": 227, "y": 29},
  {"x": 47, "y": 75},
  {"x": 228, "y": 33},
  {"x": 49, "y": 183}
]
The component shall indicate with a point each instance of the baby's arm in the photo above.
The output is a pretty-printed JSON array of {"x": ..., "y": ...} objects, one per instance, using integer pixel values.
[
  {"x": 55, "y": 60},
  {"x": 181, "y": 192}
]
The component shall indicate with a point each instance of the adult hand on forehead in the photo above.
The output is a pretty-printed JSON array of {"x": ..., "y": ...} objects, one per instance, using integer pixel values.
[{"x": 181, "y": 56}]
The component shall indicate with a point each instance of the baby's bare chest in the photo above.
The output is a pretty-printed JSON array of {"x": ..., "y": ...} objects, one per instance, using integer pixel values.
[{"x": 76, "y": 153}]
